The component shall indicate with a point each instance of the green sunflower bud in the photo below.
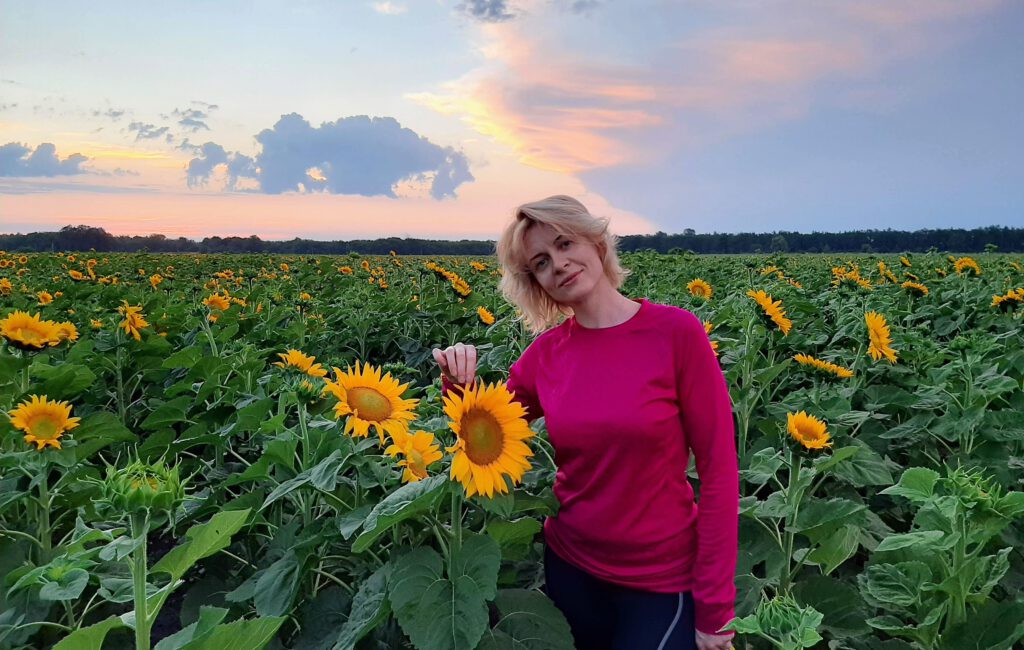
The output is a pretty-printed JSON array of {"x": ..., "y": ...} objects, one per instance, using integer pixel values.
[{"x": 140, "y": 487}]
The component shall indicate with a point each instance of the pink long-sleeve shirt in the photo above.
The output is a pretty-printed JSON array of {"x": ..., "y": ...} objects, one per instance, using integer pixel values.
[{"x": 625, "y": 406}]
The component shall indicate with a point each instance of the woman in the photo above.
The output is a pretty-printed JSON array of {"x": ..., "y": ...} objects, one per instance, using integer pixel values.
[{"x": 628, "y": 389}]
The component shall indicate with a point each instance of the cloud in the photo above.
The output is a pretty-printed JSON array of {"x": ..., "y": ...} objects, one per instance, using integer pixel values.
[
  {"x": 17, "y": 159},
  {"x": 192, "y": 119},
  {"x": 389, "y": 8},
  {"x": 211, "y": 156},
  {"x": 488, "y": 11},
  {"x": 111, "y": 113},
  {"x": 679, "y": 78},
  {"x": 356, "y": 155},
  {"x": 147, "y": 131},
  {"x": 4, "y": 107}
]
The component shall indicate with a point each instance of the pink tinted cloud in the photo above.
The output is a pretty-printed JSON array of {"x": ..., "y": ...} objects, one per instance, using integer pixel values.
[{"x": 570, "y": 111}]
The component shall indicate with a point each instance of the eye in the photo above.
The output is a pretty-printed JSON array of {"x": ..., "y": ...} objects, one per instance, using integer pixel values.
[
  {"x": 566, "y": 243},
  {"x": 539, "y": 264}
]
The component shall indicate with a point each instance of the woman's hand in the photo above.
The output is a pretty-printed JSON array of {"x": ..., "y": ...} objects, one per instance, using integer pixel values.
[
  {"x": 714, "y": 641},
  {"x": 458, "y": 363}
]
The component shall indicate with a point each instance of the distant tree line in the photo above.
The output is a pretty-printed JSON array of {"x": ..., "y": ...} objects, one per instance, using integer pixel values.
[{"x": 84, "y": 238}]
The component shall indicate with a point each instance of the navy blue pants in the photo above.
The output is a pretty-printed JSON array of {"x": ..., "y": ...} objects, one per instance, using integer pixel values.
[{"x": 605, "y": 616}]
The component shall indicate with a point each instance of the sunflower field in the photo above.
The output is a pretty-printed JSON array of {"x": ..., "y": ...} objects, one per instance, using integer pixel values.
[{"x": 249, "y": 451}]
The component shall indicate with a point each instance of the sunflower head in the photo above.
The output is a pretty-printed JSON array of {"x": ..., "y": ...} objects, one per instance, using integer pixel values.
[
  {"x": 772, "y": 311},
  {"x": 43, "y": 421},
  {"x": 881, "y": 340},
  {"x": 915, "y": 289},
  {"x": 418, "y": 450},
  {"x": 370, "y": 400},
  {"x": 486, "y": 317},
  {"x": 141, "y": 487},
  {"x": 133, "y": 321},
  {"x": 217, "y": 302},
  {"x": 29, "y": 332},
  {"x": 492, "y": 434},
  {"x": 808, "y": 430},
  {"x": 294, "y": 359},
  {"x": 700, "y": 289},
  {"x": 966, "y": 265}
]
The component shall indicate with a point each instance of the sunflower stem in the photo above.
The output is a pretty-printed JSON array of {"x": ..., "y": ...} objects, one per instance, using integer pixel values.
[
  {"x": 793, "y": 499},
  {"x": 45, "y": 542},
  {"x": 121, "y": 406},
  {"x": 140, "y": 527},
  {"x": 24, "y": 379},
  {"x": 456, "y": 542}
]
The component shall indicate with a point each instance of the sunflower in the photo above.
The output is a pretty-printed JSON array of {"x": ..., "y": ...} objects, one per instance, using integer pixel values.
[
  {"x": 67, "y": 330},
  {"x": 1010, "y": 301},
  {"x": 773, "y": 311},
  {"x": 345, "y": 270},
  {"x": 708, "y": 326},
  {"x": 6, "y": 287},
  {"x": 371, "y": 401},
  {"x": 915, "y": 288},
  {"x": 964, "y": 264},
  {"x": 486, "y": 317},
  {"x": 700, "y": 289},
  {"x": 300, "y": 361},
  {"x": 45, "y": 298},
  {"x": 905, "y": 262},
  {"x": 155, "y": 279},
  {"x": 419, "y": 450},
  {"x": 96, "y": 324},
  {"x": 492, "y": 432},
  {"x": 76, "y": 275},
  {"x": 826, "y": 366},
  {"x": 29, "y": 332},
  {"x": 133, "y": 321},
  {"x": 880, "y": 337},
  {"x": 808, "y": 430},
  {"x": 42, "y": 421},
  {"x": 217, "y": 301}
]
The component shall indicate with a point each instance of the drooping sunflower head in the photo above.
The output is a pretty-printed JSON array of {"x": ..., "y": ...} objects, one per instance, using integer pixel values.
[
  {"x": 418, "y": 450},
  {"x": 708, "y": 326},
  {"x": 45, "y": 297},
  {"x": 1009, "y": 301},
  {"x": 299, "y": 361},
  {"x": 808, "y": 430},
  {"x": 700, "y": 289},
  {"x": 370, "y": 400},
  {"x": 772, "y": 311},
  {"x": 43, "y": 421},
  {"x": 29, "y": 332},
  {"x": 825, "y": 366},
  {"x": 492, "y": 434},
  {"x": 881, "y": 340},
  {"x": 915, "y": 289},
  {"x": 217, "y": 302},
  {"x": 67, "y": 330},
  {"x": 967, "y": 265},
  {"x": 486, "y": 317},
  {"x": 133, "y": 321}
]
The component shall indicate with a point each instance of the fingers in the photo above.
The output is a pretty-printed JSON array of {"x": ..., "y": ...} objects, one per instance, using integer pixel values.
[{"x": 458, "y": 362}]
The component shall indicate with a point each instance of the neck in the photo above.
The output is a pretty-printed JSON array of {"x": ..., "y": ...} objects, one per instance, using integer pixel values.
[{"x": 604, "y": 307}]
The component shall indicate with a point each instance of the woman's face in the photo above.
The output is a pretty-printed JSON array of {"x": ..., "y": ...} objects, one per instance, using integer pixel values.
[{"x": 566, "y": 267}]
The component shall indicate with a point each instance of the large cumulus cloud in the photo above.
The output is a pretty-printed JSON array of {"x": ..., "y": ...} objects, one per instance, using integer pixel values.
[
  {"x": 17, "y": 159},
  {"x": 352, "y": 155}
]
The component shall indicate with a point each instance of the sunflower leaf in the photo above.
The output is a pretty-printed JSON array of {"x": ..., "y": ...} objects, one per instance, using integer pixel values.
[{"x": 407, "y": 501}]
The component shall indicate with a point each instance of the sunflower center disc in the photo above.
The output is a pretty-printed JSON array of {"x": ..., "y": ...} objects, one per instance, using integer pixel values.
[
  {"x": 371, "y": 405},
  {"x": 483, "y": 436},
  {"x": 44, "y": 429},
  {"x": 30, "y": 336}
]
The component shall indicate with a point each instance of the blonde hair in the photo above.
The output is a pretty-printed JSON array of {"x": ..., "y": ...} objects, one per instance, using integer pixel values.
[{"x": 568, "y": 217}]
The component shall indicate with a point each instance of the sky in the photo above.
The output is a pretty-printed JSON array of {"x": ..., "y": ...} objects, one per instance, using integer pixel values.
[{"x": 331, "y": 119}]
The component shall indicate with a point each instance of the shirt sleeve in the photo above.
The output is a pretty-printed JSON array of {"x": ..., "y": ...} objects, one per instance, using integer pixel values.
[
  {"x": 706, "y": 411},
  {"x": 522, "y": 383}
]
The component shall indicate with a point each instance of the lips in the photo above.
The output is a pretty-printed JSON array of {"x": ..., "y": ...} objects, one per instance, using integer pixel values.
[{"x": 570, "y": 278}]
